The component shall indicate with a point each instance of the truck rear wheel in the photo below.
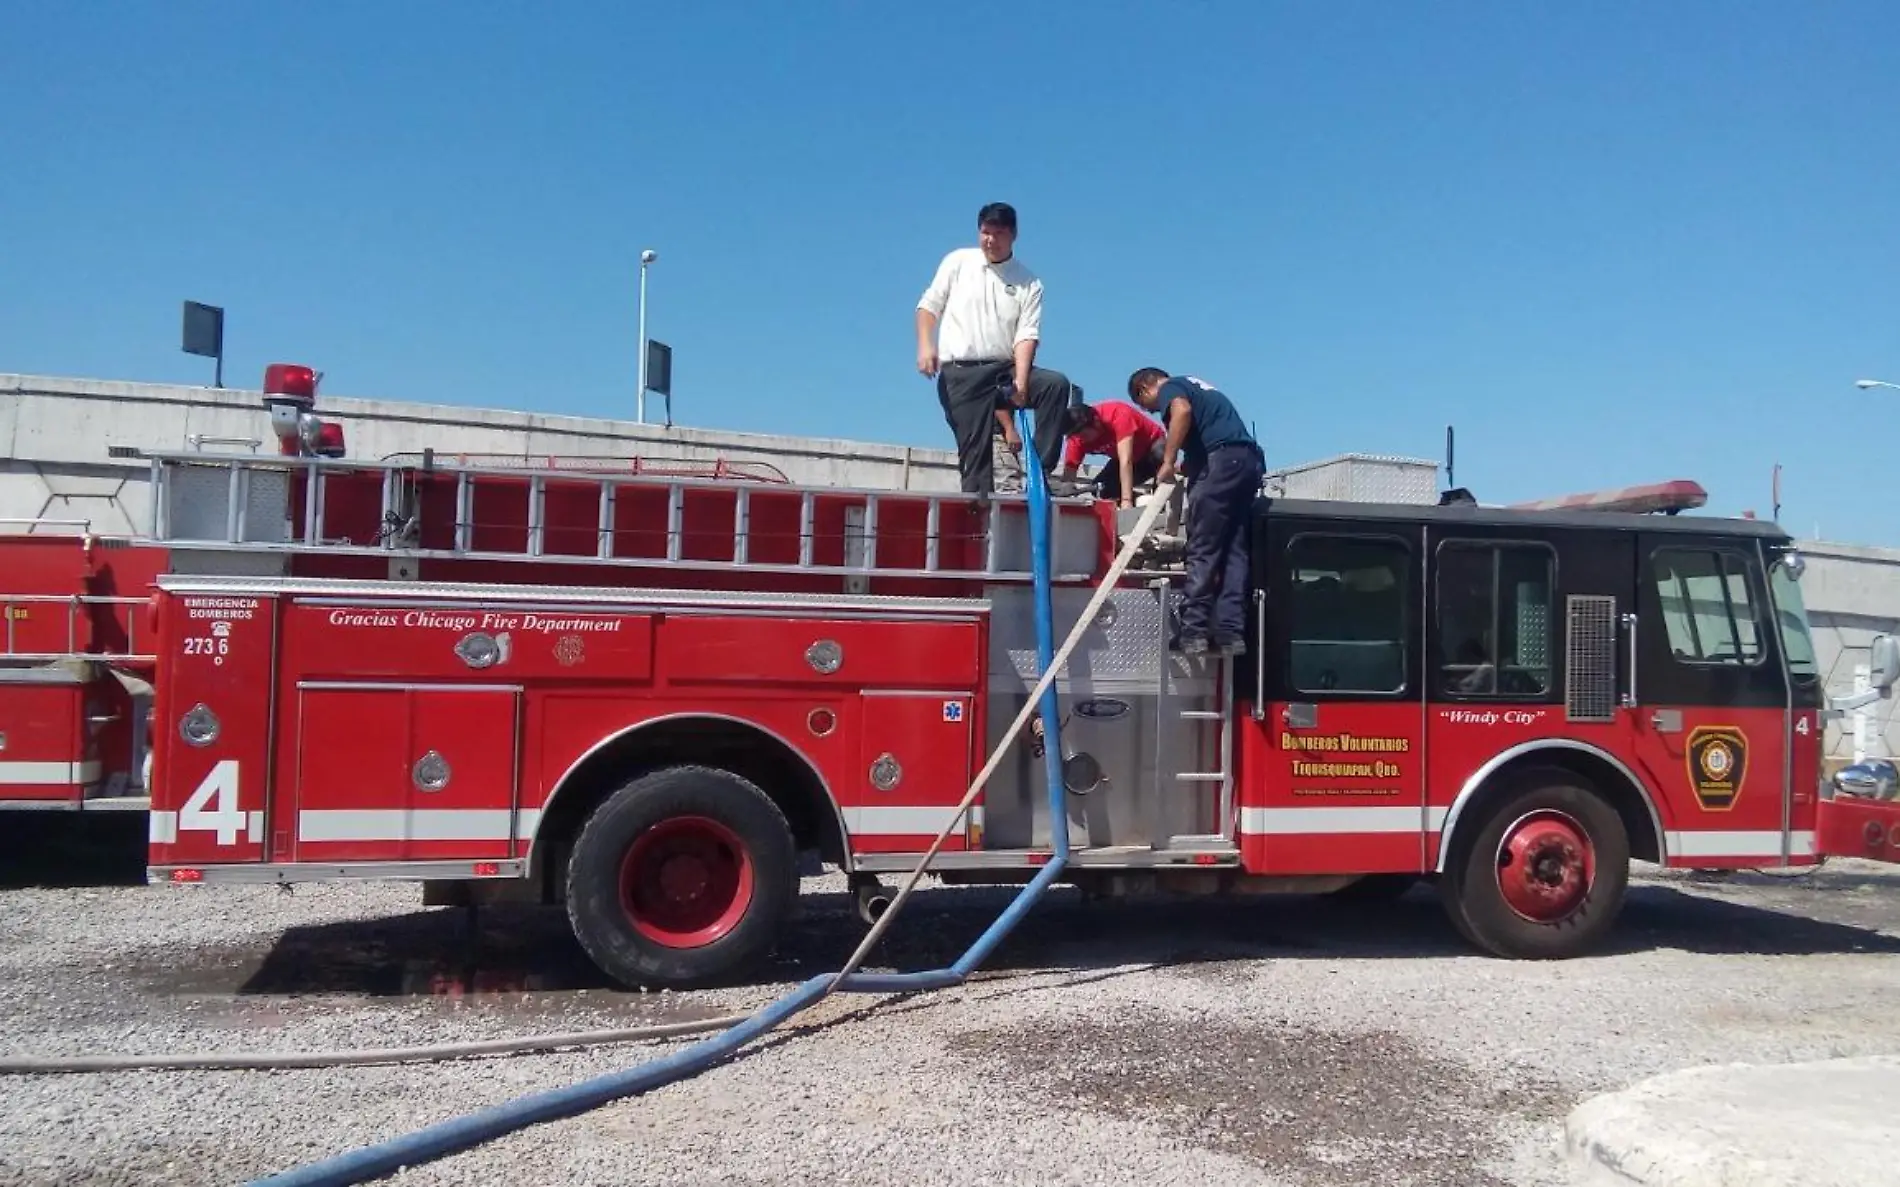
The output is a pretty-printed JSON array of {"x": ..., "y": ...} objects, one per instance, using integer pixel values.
[
  {"x": 681, "y": 879},
  {"x": 1543, "y": 877}
]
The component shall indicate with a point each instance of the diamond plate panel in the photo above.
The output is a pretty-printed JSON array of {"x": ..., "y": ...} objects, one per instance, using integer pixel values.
[
  {"x": 1139, "y": 739},
  {"x": 198, "y": 503},
  {"x": 1119, "y": 653},
  {"x": 1533, "y": 628},
  {"x": 1358, "y": 478}
]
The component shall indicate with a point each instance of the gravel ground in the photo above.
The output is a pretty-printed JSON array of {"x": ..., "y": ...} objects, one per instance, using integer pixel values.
[{"x": 1273, "y": 1042}]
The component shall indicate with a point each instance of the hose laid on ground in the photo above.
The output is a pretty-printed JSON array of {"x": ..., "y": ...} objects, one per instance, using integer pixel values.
[
  {"x": 253, "y": 1061},
  {"x": 471, "y": 1129}
]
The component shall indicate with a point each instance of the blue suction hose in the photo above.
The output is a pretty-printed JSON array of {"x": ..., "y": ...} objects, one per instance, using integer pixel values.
[{"x": 460, "y": 1133}]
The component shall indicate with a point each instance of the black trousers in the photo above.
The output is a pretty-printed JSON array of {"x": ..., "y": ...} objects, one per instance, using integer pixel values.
[
  {"x": 972, "y": 392},
  {"x": 1220, "y": 501},
  {"x": 1108, "y": 483}
]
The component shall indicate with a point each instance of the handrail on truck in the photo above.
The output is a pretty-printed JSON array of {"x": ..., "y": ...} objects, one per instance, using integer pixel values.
[
  {"x": 74, "y": 603},
  {"x": 30, "y": 522}
]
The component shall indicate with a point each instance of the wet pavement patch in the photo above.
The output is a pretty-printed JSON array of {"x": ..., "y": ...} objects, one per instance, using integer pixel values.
[
  {"x": 1331, "y": 1109},
  {"x": 517, "y": 961}
]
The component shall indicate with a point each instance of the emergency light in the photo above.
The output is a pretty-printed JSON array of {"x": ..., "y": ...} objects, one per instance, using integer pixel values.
[{"x": 290, "y": 393}]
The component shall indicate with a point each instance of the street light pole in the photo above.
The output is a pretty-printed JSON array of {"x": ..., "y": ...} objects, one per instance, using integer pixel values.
[
  {"x": 1864, "y": 384},
  {"x": 640, "y": 401}
]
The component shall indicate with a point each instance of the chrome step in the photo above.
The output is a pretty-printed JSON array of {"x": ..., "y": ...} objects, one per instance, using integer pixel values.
[{"x": 1214, "y": 853}]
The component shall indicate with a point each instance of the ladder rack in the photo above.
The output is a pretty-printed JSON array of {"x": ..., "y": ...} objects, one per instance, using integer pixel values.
[
  {"x": 430, "y": 509},
  {"x": 18, "y": 609}
]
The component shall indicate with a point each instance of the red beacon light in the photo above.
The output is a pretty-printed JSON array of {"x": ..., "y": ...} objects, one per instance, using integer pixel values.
[
  {"x": 329, "y": 440},
  {"x": 290, "y": 393},
  {"x": 291, "y": 381}
]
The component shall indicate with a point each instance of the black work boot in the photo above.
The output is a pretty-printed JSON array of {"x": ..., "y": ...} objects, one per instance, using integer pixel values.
[{"x": 1189, "y": 644}]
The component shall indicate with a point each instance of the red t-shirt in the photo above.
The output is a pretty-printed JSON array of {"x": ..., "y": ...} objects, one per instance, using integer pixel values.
[{"x": 1114, "y": 421}]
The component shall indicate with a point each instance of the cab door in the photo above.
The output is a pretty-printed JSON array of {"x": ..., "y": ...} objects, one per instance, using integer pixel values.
[
  {"x": 1334, "y": 763},
  {"x": 1711, "y": 720}
]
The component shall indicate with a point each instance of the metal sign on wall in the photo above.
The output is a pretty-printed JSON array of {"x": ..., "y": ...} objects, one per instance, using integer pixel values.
[{"x": 204, "y": 334}]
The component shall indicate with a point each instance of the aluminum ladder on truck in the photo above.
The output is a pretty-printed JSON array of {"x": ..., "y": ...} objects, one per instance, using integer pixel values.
[
  {"x": 1205, "y": 769},
  {"x": 1211, "y": 727},
  {"x": 497, "y": 511}
]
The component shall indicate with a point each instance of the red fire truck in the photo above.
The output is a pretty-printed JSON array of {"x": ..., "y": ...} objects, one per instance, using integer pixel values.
[
  {"x": 649, "y": 698},
  {"x": 76, "y": 662}
]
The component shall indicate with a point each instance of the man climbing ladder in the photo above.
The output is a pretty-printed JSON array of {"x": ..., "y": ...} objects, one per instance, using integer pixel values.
[{"x": 1224, "y": 466}]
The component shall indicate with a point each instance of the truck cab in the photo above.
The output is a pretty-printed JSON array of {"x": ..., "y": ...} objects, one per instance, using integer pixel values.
[{"x": 1519, "y": 702}]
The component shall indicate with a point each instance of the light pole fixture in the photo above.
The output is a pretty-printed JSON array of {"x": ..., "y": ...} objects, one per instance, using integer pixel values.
[
  {"x": 640, "y": 402},
  {"x": 1864, "y": 384}
]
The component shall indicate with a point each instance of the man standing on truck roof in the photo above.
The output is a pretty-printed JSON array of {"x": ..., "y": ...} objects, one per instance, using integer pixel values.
[
  {"x": 978, "y": 327},
  {"x": 1224, "y": 466},
  {"x": 1131, "y": 442}
]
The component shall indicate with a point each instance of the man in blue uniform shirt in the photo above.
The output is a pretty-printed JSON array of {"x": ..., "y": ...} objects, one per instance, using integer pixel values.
[{"x": 1223, "y": 465}]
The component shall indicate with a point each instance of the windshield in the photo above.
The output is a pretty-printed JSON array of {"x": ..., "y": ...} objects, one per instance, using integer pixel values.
[{"x": 1791, "y": 616}]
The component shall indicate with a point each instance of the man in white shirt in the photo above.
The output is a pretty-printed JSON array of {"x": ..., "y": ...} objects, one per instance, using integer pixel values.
[{"x": 978, "y": 326}]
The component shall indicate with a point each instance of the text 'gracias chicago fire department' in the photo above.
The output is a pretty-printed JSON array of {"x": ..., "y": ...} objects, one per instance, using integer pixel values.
[{"x": 484, "y": 621}]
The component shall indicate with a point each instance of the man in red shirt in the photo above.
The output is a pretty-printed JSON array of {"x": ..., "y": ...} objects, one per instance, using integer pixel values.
[{"x": 1123, "y": 433}]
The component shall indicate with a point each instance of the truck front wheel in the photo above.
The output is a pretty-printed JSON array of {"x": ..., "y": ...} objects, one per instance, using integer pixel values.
[
  {"x": 1543, "y": 875},
  {"x": 681, "y": 879}
]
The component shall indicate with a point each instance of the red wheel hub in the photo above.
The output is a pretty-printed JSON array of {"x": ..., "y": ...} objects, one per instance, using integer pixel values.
[
  {"x": 1546, "y": 866},
  {"x": 686, "y": 882}
]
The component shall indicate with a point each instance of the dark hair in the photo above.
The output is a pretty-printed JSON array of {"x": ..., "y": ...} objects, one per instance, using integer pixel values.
[
  {"x": 997, "y": 214},
  {"x": 1077, "y": 417},
  {"x": 1141, "y": 377}
]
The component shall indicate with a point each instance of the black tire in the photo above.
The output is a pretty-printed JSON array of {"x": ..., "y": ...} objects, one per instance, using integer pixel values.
[
  {"x": 743, "y": 890},
  {"x": 1564, "y": 815}
]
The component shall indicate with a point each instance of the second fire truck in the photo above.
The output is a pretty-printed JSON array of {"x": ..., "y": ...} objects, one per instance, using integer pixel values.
[{"x": 647, "y": 699}]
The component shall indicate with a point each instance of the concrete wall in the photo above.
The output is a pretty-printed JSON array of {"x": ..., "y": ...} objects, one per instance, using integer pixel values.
[
  {"x": 1853, "y": 594},
  {"x": 55, "y": 433}
]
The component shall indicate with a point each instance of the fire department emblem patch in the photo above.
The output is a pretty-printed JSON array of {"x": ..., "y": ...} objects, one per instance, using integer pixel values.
[
  {"x": 569, "y": 650},
  {"x": 1718, "y": 762}
]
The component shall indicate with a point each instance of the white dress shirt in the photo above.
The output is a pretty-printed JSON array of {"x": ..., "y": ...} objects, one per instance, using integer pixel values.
[{"x": 983, "y": 309}]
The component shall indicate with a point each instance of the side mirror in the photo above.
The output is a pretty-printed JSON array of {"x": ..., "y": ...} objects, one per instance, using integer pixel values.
[
  {"x": 1875, "y": 779},
  {"x": 1883, "y": 662}
]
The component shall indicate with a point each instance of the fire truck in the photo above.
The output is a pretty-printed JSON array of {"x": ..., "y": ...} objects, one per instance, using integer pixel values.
[
  {"x": 76, "y": 664},
  {"x": 652, "y": 700}
]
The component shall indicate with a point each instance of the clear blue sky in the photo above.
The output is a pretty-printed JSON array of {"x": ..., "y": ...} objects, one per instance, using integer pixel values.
[{"x": 1612, "y": 243}]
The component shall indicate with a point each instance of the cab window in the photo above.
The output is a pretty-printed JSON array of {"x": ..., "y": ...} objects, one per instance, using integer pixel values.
[
  {"x": 1708, "y": 607},
  {"x": 1791, "y": 613},
  {"x": 1346, "y": 614},
  {"x": 1495, "y": 619}
]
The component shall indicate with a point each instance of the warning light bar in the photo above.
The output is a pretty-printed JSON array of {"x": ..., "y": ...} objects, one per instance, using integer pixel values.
[{"x": 1667, "y": 498}]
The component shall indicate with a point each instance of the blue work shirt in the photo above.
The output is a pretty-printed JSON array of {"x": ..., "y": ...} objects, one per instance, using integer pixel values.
[{"x": 1213, "y": 422}]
